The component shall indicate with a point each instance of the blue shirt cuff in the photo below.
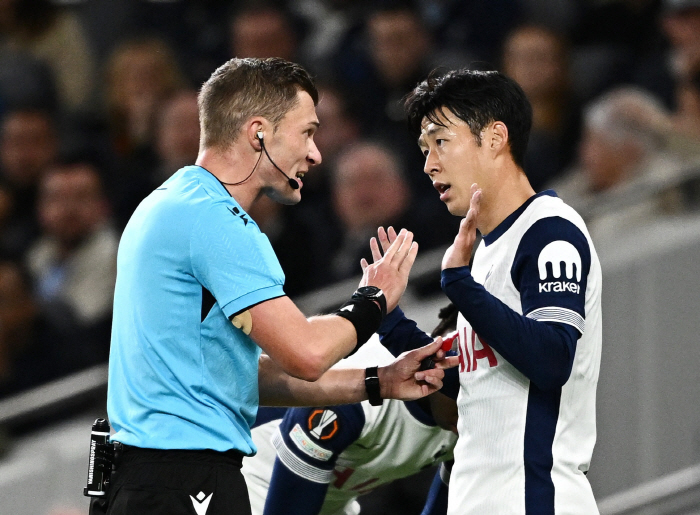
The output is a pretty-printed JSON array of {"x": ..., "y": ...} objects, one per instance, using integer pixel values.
[
  {"x": 391, "y": 321},
  {"x": 252, "y": 298}
]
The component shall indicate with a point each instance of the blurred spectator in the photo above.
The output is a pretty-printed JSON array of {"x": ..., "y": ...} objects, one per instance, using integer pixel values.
[
  {"x": 299, "y": 239},
  {"x": 141, "y": 75},
  {"x": 56, "y": 37},
  {"x": 28, "y": 145},
  {"x": 31, "y": 351},
  {"x": 662, "y": 70},
  {"x": 73, "y": 263},
  {"x": 197, "y": 31},
  {"x": 630, "y": 25},
  {"x": 263, "y": 29},
  {"x": 537, "y": 58},
  {"x": 339, "y": 128},
  {"x": 681, "y": 24},
  {"x": 685, "y": 137},
  {"x": 465, "y": 32},
  {"x": 686, "y": 118},
  {"x": 369, "y": 190},
  {"x": 328, "y": 25},
  {"x": 176, "y": 145},
  {"x": 622, "y": 156},
  {"x": 392, "y": 55},
  {"x": 339, "y": 125},
  {"x": 177, "y": 136},
  {"x": 25, "y": 81}
]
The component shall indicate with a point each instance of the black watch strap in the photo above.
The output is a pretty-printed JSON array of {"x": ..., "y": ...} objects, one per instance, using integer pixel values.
[{"x": 372, "y": 386}]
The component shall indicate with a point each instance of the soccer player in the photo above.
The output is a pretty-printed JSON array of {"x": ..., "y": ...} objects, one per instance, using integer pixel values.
[
  {"x": 530, "y": 317},
  {"x": 319, "y": 460},
  {"x": 199, "y": 293}
]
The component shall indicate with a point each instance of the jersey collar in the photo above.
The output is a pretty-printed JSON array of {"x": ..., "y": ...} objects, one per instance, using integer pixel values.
[
  {"x": 212, "y": 179},
  {"x": 511, "y": 218}
]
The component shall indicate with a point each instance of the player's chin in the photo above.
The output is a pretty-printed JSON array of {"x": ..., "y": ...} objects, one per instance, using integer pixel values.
[{"x": 456, "y": 209}]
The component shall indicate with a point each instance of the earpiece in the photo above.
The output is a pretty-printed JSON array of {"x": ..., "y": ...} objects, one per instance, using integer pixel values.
[{"x": 292, "y": 183}]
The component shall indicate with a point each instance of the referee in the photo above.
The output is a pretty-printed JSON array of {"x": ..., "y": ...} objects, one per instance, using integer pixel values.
[{"x": 200, "y": 292}]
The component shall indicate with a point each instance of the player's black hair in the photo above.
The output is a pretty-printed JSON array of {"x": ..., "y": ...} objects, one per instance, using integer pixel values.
[
  {"x": 477, "y": 98},
  {"x": 448, "y": 321}
]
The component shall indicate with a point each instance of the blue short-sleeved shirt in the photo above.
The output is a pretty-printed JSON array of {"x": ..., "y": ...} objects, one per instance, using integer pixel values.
[{"x": 181, "y": 376}]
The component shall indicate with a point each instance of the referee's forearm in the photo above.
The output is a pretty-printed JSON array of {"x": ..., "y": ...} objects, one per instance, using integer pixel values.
[
  {"x": 337, "y": 386},
  {"x": 303, "y": 347}
]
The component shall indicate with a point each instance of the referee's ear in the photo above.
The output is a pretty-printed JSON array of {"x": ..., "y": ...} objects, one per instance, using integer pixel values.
[{"x": 252, "y": 128}]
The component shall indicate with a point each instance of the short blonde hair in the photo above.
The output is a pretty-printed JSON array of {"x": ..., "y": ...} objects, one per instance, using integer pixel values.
[{"x": 242, "y": 88}]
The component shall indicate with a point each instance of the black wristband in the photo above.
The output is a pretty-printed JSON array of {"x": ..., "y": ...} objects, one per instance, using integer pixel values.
[
  {"x": 365, "y": 315},
  {"x": 372, "y": 386}
]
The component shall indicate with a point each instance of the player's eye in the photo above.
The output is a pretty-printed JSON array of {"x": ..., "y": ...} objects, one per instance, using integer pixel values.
[{"x": 439, "y": 142}]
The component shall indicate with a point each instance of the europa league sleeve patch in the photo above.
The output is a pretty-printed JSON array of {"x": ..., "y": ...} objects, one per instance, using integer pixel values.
[
  {"x": 323, "y": 424},
  {"x": 322, "y": 433}
]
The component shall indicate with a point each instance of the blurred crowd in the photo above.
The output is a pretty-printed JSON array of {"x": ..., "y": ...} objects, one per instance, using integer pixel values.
[{"x": 98, "y": 106}]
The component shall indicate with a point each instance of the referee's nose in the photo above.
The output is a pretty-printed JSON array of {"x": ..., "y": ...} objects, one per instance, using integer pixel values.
[{"x": 314, "y": 156}]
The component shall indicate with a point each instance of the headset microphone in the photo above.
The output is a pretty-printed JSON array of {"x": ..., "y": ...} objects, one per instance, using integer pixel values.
[{"x": 292, "y": 182}]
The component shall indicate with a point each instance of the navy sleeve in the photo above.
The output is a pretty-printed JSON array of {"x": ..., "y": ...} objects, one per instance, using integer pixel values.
[
  {"x": 308, "y": 444},
  {"x": 436, "y": 503},
  {"x": 549, "y": 270},
  {"x": 399, "y": 334},
  {"x": 450, "y": 383}
]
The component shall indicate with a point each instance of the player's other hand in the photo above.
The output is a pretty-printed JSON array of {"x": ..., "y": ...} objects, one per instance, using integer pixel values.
[
  {"x": 460, "y": 252},
  {"x": 390, "y": 271},
  {"x": 404, "y": 380}
]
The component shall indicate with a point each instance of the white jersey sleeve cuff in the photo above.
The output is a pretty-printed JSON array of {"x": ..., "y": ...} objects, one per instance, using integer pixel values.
[
  {"x": 557, "y": 314},
  {"x": 297, "y": 465}
]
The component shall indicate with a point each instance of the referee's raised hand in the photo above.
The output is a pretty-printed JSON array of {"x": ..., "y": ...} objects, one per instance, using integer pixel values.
[{"x": 390, "y": 271}]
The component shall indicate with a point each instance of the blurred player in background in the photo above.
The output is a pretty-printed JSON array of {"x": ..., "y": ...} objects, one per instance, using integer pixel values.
[
  {"x": 318, "y": 460},
  {"x": 530, "y": 320}
]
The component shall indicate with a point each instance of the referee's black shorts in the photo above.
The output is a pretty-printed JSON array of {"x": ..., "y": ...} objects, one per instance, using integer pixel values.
[{"x": 174, "y": 482}]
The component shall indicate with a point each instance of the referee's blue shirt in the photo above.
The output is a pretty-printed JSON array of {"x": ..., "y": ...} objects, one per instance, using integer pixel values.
[{"x": 180, "y": 376}]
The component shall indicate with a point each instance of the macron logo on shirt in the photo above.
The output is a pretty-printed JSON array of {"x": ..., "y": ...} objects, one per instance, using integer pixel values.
[{"x": 563, "y": 256}]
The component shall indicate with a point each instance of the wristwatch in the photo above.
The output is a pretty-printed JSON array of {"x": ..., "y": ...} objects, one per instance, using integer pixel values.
[
  {"x": 371, "y": 293},
  {"x": 372, "y": 386}
]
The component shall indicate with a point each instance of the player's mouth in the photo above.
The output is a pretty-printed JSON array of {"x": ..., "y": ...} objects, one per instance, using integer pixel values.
[
  {"x": 442, "y": 189},
  {"x": 299, "y": 176}
]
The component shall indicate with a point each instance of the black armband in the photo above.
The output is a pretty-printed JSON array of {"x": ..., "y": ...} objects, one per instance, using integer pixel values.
[{"x": 364, "y": 313}]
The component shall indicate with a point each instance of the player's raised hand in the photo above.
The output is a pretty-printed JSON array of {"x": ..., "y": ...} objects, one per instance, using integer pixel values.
[
  {"x": 404, "y": 380},
  {"x": 459, "y": 253},
  {"x": 390, "y": 271}
]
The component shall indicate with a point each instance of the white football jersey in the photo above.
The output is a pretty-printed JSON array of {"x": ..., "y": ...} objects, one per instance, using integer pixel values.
[
  {"x": 521, "y": 449},
  {"x": 392, "y": 443}
]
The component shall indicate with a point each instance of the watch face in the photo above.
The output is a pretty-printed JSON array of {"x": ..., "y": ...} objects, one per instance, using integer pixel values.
[{"x": 369, "y": 291}]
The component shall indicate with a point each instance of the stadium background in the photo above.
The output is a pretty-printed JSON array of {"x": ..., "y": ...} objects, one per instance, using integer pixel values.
[{"x": 97, "y": 108}]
